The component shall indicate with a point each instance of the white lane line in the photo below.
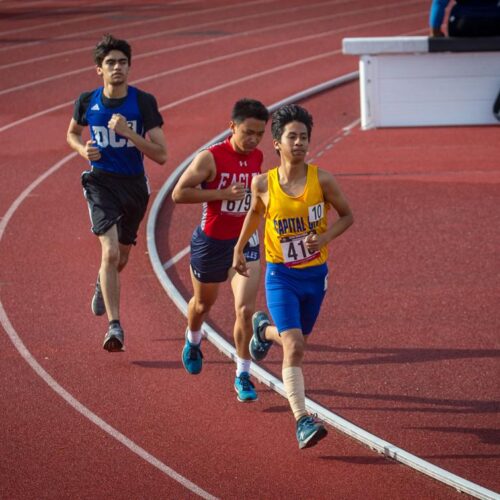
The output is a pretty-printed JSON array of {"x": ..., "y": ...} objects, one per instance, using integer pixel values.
[
  {"x": 374, "y": 442},
  {"x": 225, "y": 21},
  {"x": 54, "y": 385},
  {"x": 185, "y": 99},
  {"x": 336, "y": 138},
  {"x": 26, "y": 4},
  {"x": 115, "y": 27},
  {"x": 178, "y": 69},
  {"x": 224, "y": 39},
  {"x": 176, "y": 258},
  {"x": 213, "y": 89},
  {"x": 61, "y": 22}
]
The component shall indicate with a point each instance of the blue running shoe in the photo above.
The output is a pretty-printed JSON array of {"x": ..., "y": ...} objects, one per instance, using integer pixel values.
[
  {"x": 245, "y": 388},
  {"x": 192, "y": 357},
  {"x": 258, "y": 347},
  {"x": 309, "y": 431}
]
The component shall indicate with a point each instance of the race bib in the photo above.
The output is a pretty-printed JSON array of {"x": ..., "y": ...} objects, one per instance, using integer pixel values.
[
  {"x": 237, "y": 207},
  {"x": 295, "y": 252},
  {"x": 316, "y": 212}
]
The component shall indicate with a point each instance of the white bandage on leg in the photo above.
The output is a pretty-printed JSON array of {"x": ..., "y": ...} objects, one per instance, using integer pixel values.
[{"x": 293, "y": 380}]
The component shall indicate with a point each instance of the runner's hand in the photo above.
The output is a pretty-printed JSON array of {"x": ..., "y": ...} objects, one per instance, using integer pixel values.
[
  {"x": 313, "y": 242},
  {"x": 91, "y": 151},
  {"x": 234, "y": 192},
  {"x": 240, "y": 264},
  {"x": 119, "y": 124}
]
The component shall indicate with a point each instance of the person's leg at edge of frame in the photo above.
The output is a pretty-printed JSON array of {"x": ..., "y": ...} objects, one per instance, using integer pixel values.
[
  {"x": 245, "y": 292},
  {"x": 114, "y": 257},
  {"x": 204, "y": 297}
]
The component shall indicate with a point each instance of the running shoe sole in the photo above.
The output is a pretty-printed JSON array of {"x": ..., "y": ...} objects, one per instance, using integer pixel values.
[
  {"x": 113, "y": 343},
  {"x": 245, "y": 400}
]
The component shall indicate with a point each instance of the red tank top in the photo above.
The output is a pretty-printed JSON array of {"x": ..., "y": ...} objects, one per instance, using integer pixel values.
[{"x": 222, "y": 219}]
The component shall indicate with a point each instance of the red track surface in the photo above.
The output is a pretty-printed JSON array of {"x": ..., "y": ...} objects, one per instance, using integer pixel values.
[{"x": 406, "y": 347}]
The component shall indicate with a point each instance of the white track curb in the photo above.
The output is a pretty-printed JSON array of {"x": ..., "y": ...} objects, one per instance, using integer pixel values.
[{"x": 385, "y": 448}]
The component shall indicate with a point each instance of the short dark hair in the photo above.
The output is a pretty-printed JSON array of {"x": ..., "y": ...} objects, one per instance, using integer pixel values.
[
  {"x": 290, "y": 113},
  {"x": 109, "y": 43},
  {"x": 249, "y": 108}
]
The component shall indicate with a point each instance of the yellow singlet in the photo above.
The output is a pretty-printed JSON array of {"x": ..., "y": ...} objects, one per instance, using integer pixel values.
[{"x": 289, "y": 219}]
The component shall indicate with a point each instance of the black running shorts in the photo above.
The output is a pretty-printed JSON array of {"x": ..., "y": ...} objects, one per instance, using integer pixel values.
[
  {"x": 211, "y": 259},
  {"x": 116, "y": 199}
]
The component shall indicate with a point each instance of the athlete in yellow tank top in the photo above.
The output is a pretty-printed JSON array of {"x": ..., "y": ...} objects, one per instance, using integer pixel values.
[
  {"x": 294, "y": 199},
  {"x": 290, "y": 220}
]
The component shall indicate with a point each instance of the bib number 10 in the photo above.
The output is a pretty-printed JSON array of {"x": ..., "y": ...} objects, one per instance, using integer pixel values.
[
  {"x": 316, "y": 212},
  {"x": 237, "y": 207}
]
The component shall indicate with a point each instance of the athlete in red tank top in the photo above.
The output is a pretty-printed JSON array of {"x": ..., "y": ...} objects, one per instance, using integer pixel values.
[
  {"x": 220, "y": 178},
  {"x": 222, "y": 219}
]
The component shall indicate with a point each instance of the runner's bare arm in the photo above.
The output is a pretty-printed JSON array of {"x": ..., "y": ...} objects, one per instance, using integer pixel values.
[
  {"x": 333, "y": 196},
  {"x": 203, "y": 169},
  {"x": 251, "y": 222},
  {"x": 74, "y": 137}
]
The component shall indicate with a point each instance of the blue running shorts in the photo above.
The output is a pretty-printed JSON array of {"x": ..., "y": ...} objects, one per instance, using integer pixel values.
[
  {"x": 294, "y": 296},
  {"x": 211, "y": 259}
]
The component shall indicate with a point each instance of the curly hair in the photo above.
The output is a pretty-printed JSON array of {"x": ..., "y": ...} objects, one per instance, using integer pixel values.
[
  {"x": 290, "y": 113},
  {"x": 109, "y": 43}
]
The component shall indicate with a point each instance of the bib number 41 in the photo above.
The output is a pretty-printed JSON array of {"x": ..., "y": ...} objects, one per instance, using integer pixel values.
[{"x": 295, "y": 251}]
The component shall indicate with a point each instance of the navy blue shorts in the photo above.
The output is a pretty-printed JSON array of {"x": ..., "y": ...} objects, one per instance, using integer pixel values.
[
  {"x": 294, "y": 296},
  {"x": 211, "y": 259},
  {"x": 116, "y": 199}
]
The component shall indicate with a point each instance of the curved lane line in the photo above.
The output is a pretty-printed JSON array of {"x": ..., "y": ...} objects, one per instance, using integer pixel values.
[
  {"x": 179, "y": 30},
  {"x": 224, "y": 57},
  {"x": 54, "y": 385},
  {"x": 374, "y": 442},
  {"x": 212, "y": 89},
  {"x": 191, "y": 96},
  {"x": 60, "y": 22},
  {"x": 204, "y": 42},
  {"x": 116, "y": 27}
]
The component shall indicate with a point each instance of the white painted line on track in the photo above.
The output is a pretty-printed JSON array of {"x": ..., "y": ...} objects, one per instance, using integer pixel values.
[
  {"x": 205, "y": 62},
  {"x": 141, "y": 23},
  {"x": 176, "y": 258},
  {"x": 361, "y": 435},
  {"x": 374, "y": 442},
  {"x": 176, "y": 47},
  {"x": 54, "y": 385},
  {"x": 185, "y": 99},
  {"x": 178, "y": 69},
  {"x": 337, "y": 138},
  {"x": 274, "y": 27},
  {"x": 205, "y": 92},
  {"x": 61, "y": 22},
  {"x": 34, "y": 3}
]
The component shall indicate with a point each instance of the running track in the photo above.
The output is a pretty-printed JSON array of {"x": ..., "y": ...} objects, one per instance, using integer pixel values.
[{"x": 407, "y": 346}]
